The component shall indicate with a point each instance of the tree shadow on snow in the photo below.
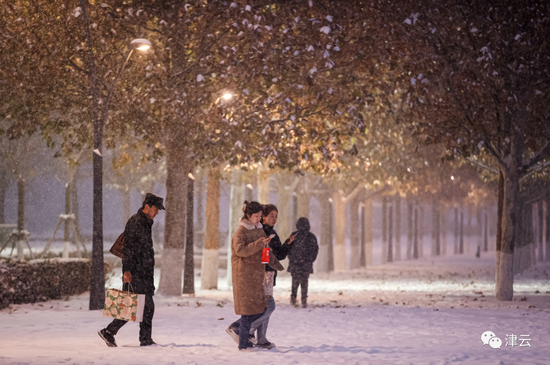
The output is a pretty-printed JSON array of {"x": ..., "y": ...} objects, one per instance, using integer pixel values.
[{"x": 352, "y": 349}]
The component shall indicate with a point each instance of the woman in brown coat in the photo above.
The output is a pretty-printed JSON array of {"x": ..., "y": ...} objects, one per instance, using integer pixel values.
[{"x": 248, "y": 271}]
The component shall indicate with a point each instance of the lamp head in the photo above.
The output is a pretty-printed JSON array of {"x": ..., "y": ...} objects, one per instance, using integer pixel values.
[
  {"x": 140, "y": 44},
  {"x": 227, "y": 96}
]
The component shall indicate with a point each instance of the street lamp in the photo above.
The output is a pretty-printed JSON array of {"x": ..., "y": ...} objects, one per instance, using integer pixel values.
[
  {"x": 97, "y": 289},
  {"x": 140, "y": 44}
]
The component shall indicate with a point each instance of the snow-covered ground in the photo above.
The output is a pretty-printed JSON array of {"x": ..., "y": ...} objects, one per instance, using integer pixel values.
[{"x": 428, "y": 311}]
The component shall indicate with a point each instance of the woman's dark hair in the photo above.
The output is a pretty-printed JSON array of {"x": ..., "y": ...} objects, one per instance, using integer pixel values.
[
  {"x": 268, "y": 208},
  {"x": 250, "y": 208}
]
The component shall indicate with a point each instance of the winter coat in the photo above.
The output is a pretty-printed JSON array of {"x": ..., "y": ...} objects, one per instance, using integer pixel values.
[
  {"x": 279, "y": 250},
  {"x": 303, "y": 250},
  {"x": 247, "y": 269},
  {"x": 138, "y": 253}
]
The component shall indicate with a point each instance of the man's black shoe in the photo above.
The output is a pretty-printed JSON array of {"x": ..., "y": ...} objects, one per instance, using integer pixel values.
[
  {"x": 148, "y": 343},
  {"x": 107, "y": 337}
]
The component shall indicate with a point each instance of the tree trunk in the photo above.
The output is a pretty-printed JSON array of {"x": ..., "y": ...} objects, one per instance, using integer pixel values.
[
  {"x": 384, "y": 229},
  {"x": 540, "y": 228},
  {"x": 505, "y": 271},
  {"x": 461, "y": 231},
  {"x": 456, "y": 232},
  {"x": 500, "y": 214},
  {"x": 522, "y": 240},
  {"x": 284, "y": 206},
  {"x": 263, "y": 178},
  {"x": 326, "y": 234},
  {"x": 126, "y": 208},
  {"x": 20, "y": 204},
  {"x": 547, "y": 230},
  {"x": 421, "y": 230},
  {"x": 20, "y": 216},
  {"x": 436, "y": 246},
  {"x": 390, "y": 232},
  {"x": 331, "y": 235},
  {"x": 76, "y": 212},
  {"x": 177, "y": 166},
  {"x": 210, "y": 253},
  {"x": 532, "y": 238},
  {"x": 486, "y": 232},
  {"x": 67, "y": 223},
  {"x": 236, "y": 200},
  {"x": 189, "y": 266},
  {"x": 302, "y": 202},
  {"x": 4, "y": 185},
  {"x": 479, "y": 226},
  {"x": 362, "y": 235},
  {"x": 492, "y": 224},
  {"x": 97, "y": 282},
  {"x": 199, "y": 196},
  {"x": 397, "y": 256},
  {"x": 355, "y": 226},
  {"x": 468, "y": 240},
  {"x": 340, "y": 230},
  {"x": 367, "y": 233},
  {"x": 415, "y": 253},
  {"x": 410, "y": 231},
  {"x": 294, "y": 211},
  {"x": 248, "y": 192},
  {"x": 443, "y": 229}
]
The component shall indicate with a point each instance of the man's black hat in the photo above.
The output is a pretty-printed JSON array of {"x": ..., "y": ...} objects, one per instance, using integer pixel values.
[{"x": 154, "y": 200}]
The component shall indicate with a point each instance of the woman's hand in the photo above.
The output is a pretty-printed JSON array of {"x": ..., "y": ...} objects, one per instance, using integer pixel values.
[
  {"x": 291, "y": 238},
  {"x": 264, "y": 241}
]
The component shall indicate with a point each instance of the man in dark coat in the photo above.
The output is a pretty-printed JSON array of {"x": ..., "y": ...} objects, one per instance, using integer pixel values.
[
  {"x": 138, "y": 266},
  {"x": 301, "y": 256}
]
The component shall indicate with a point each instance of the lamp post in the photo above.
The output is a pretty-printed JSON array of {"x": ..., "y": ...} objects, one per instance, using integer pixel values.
[{"x": 97, "y": 289}]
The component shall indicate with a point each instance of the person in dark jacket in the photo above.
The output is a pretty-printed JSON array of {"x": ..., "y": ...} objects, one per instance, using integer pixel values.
[
  {"x": 301, "y": 256},
  {"x": 138, "y": 267}
]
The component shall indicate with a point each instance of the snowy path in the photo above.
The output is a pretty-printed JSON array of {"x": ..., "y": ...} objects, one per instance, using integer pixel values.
[{"x": 366, "y": 324}]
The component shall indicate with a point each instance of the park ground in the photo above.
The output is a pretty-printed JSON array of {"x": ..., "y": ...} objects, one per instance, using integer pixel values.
[{"x": 428, "y": 311}]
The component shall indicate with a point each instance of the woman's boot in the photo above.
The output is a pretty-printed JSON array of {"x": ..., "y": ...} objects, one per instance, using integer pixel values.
[{"x": 304, "y": 302}]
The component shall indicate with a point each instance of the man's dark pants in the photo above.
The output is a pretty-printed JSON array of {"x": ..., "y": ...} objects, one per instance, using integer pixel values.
[
  {"x": 300, "y": 279},
  {"x": 145, "y": 327}
]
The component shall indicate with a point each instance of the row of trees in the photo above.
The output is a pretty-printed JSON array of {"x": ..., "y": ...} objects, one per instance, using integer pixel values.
[{"x": 345, "y": 91}]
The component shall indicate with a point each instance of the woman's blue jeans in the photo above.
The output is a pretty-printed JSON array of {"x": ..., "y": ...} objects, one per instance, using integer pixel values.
[
  {"x": 242, "y": 326},
  {"x": 260, "y": 324}
]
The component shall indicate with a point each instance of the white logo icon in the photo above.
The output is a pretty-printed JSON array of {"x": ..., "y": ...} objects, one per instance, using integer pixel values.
[
  {"x": 486, "y": 336},
  {"x": 489, "y": 338},
  {"x": 495, "y": 342}
]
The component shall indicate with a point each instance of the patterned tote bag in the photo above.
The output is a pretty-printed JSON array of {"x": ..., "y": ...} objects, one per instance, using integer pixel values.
[{"x": 124, "y": 305}]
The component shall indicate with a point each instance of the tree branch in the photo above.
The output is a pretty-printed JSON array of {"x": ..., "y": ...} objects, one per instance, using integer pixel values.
[
  {"x": 541, "y": 154},
  {"x": 354, "y": 193},
  {"x": 488, "y": 168}
]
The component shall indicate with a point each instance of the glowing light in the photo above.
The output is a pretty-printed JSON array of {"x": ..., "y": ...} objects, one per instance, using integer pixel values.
[
  {"x": 227, "y": 96},
  {"x": 141, "y": 44},
  {"x": 452, "y": 177}
]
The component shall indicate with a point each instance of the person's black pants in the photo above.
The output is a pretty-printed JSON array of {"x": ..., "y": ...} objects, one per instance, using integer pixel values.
[
  {"x": 145, "y": 327},
  {"x": 300, "y": 279}
]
